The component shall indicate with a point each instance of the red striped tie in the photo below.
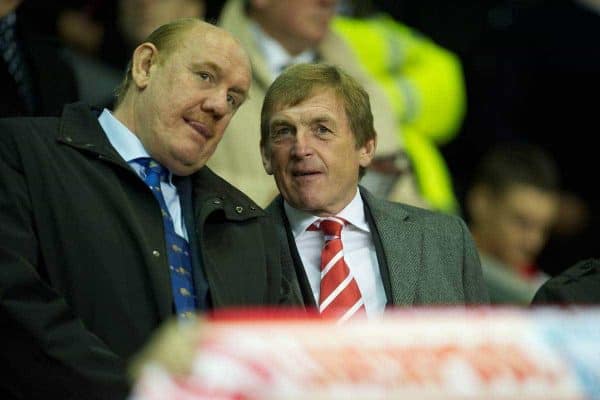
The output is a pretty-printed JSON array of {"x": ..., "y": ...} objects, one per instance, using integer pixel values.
[{"x": 339, "y": 294}]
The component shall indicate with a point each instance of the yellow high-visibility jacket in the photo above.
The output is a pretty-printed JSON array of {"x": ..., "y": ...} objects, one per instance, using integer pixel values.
[{"x": 425, "y": 85}]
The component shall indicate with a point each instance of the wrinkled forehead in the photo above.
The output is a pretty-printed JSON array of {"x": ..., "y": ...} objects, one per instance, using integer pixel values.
[{"x": 288, "y": 97}]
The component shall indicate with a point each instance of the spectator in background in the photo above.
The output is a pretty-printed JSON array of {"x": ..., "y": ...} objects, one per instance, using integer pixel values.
[
  {"x": 512, "y": 204},
  {"x": 531, "y": 67},
  {"x": 135, "y": 19},
  {"x": 35, "y": 76},
  {"x": 548, "y": 71},
  {"x": 425, "y": 85},
  {"x": 279, "y": 33},
  {"x": 102, "y": 34}
]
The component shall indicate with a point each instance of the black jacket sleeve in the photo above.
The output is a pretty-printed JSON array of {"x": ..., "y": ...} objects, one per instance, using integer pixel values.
[{"x": 46, "y": 349}]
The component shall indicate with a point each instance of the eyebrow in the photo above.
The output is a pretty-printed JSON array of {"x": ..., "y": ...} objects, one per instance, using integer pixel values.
[
  {"x": 279, "y": 121},
  {"x": 315, "y": 120},
  {"x": 322, "y": 118}
]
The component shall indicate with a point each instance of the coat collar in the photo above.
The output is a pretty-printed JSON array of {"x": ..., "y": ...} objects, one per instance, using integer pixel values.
[
  {"x": 214, "y": 193},
  {"x": 290, "y": 259},
  {"x": 79, "y": 128}
]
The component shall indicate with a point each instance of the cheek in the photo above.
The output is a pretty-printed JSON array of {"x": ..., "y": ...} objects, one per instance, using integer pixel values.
[
  {"x": 278, "y": 169},
  {"x": 278, "y": 159},
  {"x": 221, "y": 126}
]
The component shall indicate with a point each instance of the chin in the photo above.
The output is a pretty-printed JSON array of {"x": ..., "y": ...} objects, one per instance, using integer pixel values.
[
  {"x": 183, "y": 167},
  {"x": 309, "y": 204}
]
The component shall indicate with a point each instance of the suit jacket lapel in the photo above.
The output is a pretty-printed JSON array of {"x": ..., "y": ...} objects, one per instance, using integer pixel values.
[
  {"x": 402, "y": 244},
  {"x": 290, "y": 251},
  {"x": 383, "y": 267}
]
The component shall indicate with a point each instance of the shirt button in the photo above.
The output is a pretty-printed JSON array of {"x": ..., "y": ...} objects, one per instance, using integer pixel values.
[{"x": 156, "y": 253}]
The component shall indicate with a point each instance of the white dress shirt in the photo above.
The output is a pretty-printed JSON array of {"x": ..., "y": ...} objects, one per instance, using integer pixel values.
[
  {"x": 276, "y": 55},
  {"x": 129, "y": 148},
  {"x": 359, "y": 252}
]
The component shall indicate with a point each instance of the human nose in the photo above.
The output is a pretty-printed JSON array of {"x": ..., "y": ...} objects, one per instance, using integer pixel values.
[
  {"x": 216, "y": 103},
  {"x": 302, "y": 146}
]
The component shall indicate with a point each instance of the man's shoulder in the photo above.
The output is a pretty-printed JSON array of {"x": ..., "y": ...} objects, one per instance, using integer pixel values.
[
  {"x": 437, "y": 225},
  {"x": 584, "y": 269},
  {"x": 30, "y": 129},
  {"x": 42, "y": 124},
  {"x": 27, "y": 125},
  {"x": 411, "y": 213},
  {"x": 19, "y": 132},
  {"x": 578, "y": 284}
]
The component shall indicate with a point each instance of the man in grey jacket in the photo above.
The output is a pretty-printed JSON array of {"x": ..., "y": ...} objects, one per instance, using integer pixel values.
[
  {"x": 317, "y": 137},
  {"x": 94, "y": 255}
]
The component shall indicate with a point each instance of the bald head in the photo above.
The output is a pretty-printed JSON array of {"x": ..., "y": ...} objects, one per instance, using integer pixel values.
[{"x": 167, "y": 39}]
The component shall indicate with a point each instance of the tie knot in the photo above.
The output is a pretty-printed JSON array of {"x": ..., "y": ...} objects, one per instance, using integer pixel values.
[
  {"x": 153, "y": 171},
  {"x": 331, "y": 226},
  {"x": 151, "y": 166}
]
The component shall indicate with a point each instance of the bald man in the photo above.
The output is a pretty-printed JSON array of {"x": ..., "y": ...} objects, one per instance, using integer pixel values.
[{"x": 111, "y": 224}]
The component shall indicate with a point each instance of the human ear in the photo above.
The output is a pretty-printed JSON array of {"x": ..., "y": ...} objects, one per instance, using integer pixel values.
[
  {"x": 265, "y": 153},
  {"x": 367, "y": 152},
  {"x": 145, "y": 56}
]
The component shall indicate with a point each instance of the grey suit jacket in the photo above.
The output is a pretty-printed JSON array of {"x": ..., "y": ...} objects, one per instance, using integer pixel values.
[{"x": 424, "y": 257}]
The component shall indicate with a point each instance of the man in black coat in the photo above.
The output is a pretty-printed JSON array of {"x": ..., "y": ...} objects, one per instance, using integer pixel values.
[{"x": 85, "y": 272}]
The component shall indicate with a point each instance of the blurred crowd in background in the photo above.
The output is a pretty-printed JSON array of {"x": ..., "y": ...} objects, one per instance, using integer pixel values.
[{"x": 487, "y": 106}]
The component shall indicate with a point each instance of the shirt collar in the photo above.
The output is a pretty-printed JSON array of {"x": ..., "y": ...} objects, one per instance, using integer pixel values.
[
  {"x": 354, "y": 213},
  {"x": 275, "y": 54},
  {"x": 125, "y": 142}
]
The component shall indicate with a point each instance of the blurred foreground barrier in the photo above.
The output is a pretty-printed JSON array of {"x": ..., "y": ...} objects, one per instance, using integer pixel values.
[{"x": 409, "y": 354}]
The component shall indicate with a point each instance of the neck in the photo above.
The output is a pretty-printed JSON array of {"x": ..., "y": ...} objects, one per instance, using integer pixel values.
[{"x": 124, "y": 113}]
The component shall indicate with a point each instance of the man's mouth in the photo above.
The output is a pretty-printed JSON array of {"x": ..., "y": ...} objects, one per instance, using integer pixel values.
[
  {"x": 199, "y": 127},
  {"x": 305, "y": 173}
]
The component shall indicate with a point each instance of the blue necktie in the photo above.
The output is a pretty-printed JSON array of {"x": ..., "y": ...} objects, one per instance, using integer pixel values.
[
  {"x": 14, "y": 58},
  {"x": 178, "y": 250}
]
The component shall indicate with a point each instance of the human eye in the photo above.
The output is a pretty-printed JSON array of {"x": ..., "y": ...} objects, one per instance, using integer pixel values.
[
  {"x": 205, "y": 76},
  {"x": 280, "y": 131},
  {"x": 322, "y": 130},
  {"x": 232, "y": 101}
]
